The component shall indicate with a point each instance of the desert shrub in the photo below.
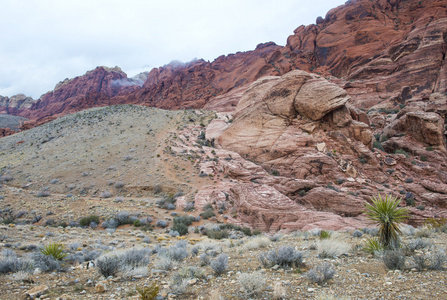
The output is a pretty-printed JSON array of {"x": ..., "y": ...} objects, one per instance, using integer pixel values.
[
  {"x": 195, "y": 251},
  {"x": 161, "y": 223},
  {"x": 110, "y": 223},
  {"x": 220, "y": 264},
  {"x": 119, "y": 184},
  {"x": 417, "y": 244},
  {"x": 106, "y": 195},
  {"x": 83, "y": 256},
  {"x": 419, "y": 262},
  {"x": 207, "y": 214},
  {"x": 372, "y": 245},
  {"x": 407, "y": 229},
  {"x": 283, "y": 256},
  {"x": 321, "y": 273},
  {"x": 56, "y": 250},
  {"x": 205, "y": 259},
  {"x": 371, "y": 231},
  {"x": 168, "y": 256},
  {"x": 174, "y": 233},
  {"x": 167, "y": 202},
  {"x": 436, "y": 260},
  {"x": 388, "y": 216},
  {"x": 170, "y": 206},
  {"x": 86, "y": 221},
  {"x": 217, "y": 234},
  {"x": 46, "y": 263},
  {"x": 190, "y": 272},
  {"x": 184, "y": 275},
  {"x": 164, "y": 262},
  {"x": 12, "y": 264},
  {"x": 357, "y": 233},
  {"x": 245, "y": 230},
  {"x": 108, "y": 265},
  {"x": 124, "y": 217},
  {"x": 275, "y": 238},
  {"x": 178, "y": 252},
  {"x": 433, "y": 261},
  {"x": 148, "y": 292},
  {"x": 251, "y": 283},
  {"x": 190, "y": 206},
  {"x": 178, "y": 284},
  {"x": 394, "y": 259},
  {"x": 329, "y": 248},
  {"x": 181, "y": 224},
  {"x": 136, "y": 257}
]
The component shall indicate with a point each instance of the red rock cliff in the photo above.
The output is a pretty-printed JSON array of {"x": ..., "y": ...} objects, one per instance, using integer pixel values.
[{"x": 385, "y": 50}]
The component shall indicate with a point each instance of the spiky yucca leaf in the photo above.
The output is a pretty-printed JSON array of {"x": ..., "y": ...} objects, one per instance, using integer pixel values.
[
  {"x": 372, "y": 245},
  {"x": 388, "y": 215},
  {"x": 56, "y": 250}
]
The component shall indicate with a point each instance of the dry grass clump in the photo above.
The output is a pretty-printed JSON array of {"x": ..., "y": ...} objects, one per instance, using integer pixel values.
[
  {"x": 329, "y": 248},
  {"x": 256, "y": 243},
  {"x": 252, "y": 283}
]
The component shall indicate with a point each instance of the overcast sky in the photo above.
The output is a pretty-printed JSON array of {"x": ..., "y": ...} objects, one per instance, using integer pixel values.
[{"x": 46, "y": 41}]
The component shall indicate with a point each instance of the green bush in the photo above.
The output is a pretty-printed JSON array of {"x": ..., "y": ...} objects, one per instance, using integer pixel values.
[
  {"x": 181, "y": 224},
  {"x": 207, "y": 214},
  {"x": 86, "y": 221},
  {"x": 217, "y": 234}
]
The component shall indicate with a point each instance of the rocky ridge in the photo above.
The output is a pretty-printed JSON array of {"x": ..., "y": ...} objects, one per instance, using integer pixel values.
[{"x": 384, "y": 54}]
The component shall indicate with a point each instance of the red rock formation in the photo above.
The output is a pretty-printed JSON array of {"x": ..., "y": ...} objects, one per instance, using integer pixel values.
[
  {"x": 385, "y": 50},
  {"x": 96, "y": 88},
  {"x": 6, "y": 131},
  {"x": 303, "y": 159}
]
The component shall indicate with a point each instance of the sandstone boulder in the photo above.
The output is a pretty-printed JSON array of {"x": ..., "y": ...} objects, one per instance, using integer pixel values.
[{"x": 317, "y": 97}]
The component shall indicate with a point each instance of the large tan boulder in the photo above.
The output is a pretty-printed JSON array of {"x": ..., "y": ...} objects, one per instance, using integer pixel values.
[{"x": 317, "y": 97}]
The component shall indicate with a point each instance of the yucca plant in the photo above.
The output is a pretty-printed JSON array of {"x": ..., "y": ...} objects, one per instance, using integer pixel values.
[
  {"x": 324, "y": 234},
  {"x": 148, "y": 292},
  {"x": 388, "y": 215},
  {"x": 56, "y": 250}
]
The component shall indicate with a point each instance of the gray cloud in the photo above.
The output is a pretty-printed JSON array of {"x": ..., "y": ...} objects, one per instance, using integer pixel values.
[{"x": 45, "y": 41}]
